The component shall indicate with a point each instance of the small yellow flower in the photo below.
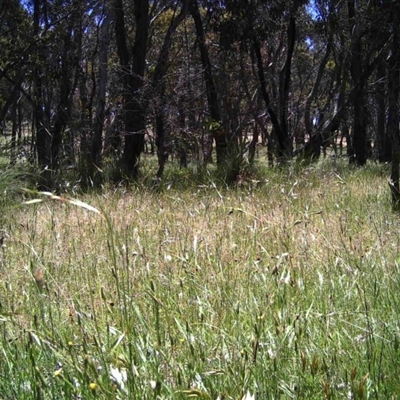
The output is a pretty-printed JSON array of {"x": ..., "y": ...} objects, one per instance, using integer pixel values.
[
  {"x": 92, "y": 386},
  {"x": 70, "y": 343},
  {"x": 58, "y": 372}
]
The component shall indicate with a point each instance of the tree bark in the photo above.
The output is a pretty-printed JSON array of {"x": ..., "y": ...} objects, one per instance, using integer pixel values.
[
  {"x": 383, "y": 141},
  {"x": 159, "y": 87},
  {"x": 359, "y": 81},
  {"x": 284, "y": 149},
  {"x": 40, "y": 120},
  {"x": 133, "y": 81},
  {"x": 226, "y": 147},
  {"x": 284, "y": 85},
  {"x": 97, "y": 139},
  {"x": 393, "y": 112},
  {"x": 313, "y": 149}
]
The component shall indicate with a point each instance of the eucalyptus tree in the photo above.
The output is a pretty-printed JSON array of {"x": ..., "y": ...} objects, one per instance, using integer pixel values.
[
  {"x": 368, "y": 45},
  {"x": 57, "y": 29},
  {"x": 133, "y": 65},
  {"x": 94, "y": 156},
  {"x": 265, "y": 27},
  {"x": 393, "y": 108},
  {"x": 15, "y": 44},
  {"x": 140, "y": 85},
  {"x": 158, "y": 82}
]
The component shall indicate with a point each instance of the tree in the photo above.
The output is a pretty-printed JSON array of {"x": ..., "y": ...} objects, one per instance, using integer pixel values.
[
  {"x": 225, "y": 145},
  {"x": 393, "y": 111},
  {"x": 97, "y": 138},
  {"x": 132, "y": 76},
  {"x": 158, "y": 84}
]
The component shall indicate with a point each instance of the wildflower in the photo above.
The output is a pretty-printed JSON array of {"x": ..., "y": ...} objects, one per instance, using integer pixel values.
[
  {"x": 92, "y": 386},
  {"x": 59, "y": 369}
]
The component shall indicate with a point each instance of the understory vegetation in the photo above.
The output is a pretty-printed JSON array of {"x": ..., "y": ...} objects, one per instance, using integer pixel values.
[{"x": 283, "y": 287}]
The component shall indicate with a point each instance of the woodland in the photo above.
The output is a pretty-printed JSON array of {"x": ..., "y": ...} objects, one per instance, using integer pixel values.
[
  {"x": 90, "y": 87},
  {"x": 194, "y": 199}
]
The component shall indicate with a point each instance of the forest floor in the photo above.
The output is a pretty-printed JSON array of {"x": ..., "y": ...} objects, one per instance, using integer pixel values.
[{"x": 286, "y": 287}]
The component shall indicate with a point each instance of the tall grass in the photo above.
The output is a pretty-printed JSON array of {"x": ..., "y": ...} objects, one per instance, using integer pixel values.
[{"x": 285, "y": 287}]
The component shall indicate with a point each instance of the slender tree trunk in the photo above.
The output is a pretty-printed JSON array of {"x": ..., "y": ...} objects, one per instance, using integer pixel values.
[
  {"x": 313, "y": 148},
  {"x": 253, "y": 143},
  {"x": 284, "y": 147},
  {"x": 40, "y": 120},
  {"x": 14, "y": 129},
  {"x": 284, "y": 85},
  {"x": 133, "y": 79},
  {"x": 97, "y": 138},
  {"x": 70, "y": 60},
  {"x": 359, "y": 81},
  {"x": 159, "y": 87},
  {"x": 384, "y": 148},
  {"x": 226, "y": 147},
  {"x": 393, "y": 115}
]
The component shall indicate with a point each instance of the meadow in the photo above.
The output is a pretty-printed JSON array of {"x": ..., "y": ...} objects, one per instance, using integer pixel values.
[{"x": 284, "y": 287}]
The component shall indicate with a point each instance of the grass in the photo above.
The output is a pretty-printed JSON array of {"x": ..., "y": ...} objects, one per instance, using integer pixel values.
[{"x": 285, "y": 287}]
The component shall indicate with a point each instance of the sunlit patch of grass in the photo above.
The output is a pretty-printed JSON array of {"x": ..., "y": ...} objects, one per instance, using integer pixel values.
[{"x": 286, "y": 288}]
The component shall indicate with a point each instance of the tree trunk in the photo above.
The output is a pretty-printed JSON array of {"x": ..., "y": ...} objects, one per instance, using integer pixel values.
[
  {"x": 393, "y": 114},
  {"x": 383, "y": 141},
  {"x": 313, "y": 149},
  {"x": 284, "y": 85},
  {"x": 159, "y": 87},
  {"x": 14, "y": 121},
  {"x": 70, "y": 65},
  {"x": 284, "y": 147},
  {"x": 97, "y": 139},
  {"x": 40, "y": 120},
  {"x": 133, "y": 77},
  {"x": 359, "y": 81},
  {"x": 226, "y": 147}
]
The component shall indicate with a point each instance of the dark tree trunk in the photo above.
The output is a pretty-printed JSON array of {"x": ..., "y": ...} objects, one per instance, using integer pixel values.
[
  {"x": 359, "y": 81},
  {"x": 284, "y": 85},
  {"x": 312, "y": 150},
  {"x": 40, "y": 120},
  {"x": 14, "y": 129},
  {"x": 283, "y": 139},
  {"x": 61, "y": 120},
  {"x": 70, "y": 66},
  {"x": 253, "y": 144},
  {"x": 162, "y": 151},
  {"x": 226, "y": 147},
  {"x": 97, "y": 138},
  {"x": 393, "y": 115},
  {"x": 384, "y": 148},
  {"x": 159, "y": 87},
  {"x": 133, "y": 77}
]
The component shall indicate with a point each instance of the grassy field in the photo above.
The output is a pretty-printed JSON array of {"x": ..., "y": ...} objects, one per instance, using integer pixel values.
[{"x": 282, "y": 288}]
